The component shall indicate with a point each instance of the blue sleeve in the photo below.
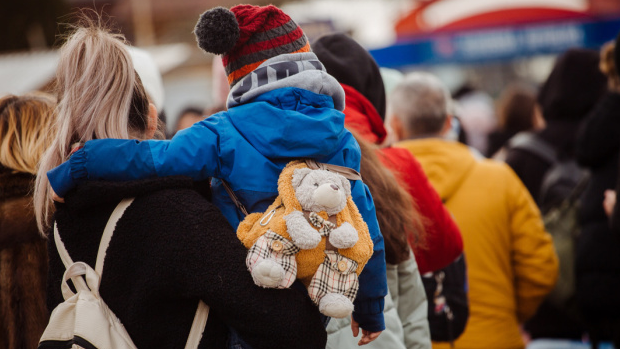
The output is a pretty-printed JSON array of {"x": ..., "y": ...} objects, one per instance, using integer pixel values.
[
  {"x": 373, "y": 279},
  {"x": 193, "y": 152}
]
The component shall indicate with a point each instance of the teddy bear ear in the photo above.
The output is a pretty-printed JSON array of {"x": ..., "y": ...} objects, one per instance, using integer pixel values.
[
  {"x": 299, "y": 175},
  {"x": 346, "y": 185}
]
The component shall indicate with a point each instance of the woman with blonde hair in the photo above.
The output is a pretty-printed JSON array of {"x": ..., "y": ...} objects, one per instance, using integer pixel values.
[
  {"x": 25, "y": 129},
  {"x": 172, "y": 247}
]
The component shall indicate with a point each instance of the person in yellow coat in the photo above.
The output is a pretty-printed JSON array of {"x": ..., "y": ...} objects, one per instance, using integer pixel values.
[{"x": 511, "y": 261}]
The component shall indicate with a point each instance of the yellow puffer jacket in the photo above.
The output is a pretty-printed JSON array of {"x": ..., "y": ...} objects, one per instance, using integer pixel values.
[
  {"x": 511, "y": 261},
  {"x": 308, "y": 261}
]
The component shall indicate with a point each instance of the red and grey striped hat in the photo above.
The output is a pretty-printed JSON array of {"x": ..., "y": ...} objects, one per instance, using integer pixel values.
[{"x": 248, "y": 35}]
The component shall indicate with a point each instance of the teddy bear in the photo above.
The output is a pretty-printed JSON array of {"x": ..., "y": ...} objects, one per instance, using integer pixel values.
[{"x": 312, "y": 232}]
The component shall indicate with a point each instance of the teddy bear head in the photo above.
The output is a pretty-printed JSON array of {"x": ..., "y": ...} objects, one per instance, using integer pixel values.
[{"x": 321, "y": 190}]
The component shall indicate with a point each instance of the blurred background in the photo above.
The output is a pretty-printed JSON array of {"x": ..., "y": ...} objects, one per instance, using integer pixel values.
[{"x": 472, "y": 45}]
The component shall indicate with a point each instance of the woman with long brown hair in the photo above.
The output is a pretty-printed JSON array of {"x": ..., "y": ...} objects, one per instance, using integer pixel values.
[
  {"x": 408, "y": 208},
  {"x": 400, "y": 222},
  {"x": 359, "y": 76},
  {"x": 25, "y": 133}
]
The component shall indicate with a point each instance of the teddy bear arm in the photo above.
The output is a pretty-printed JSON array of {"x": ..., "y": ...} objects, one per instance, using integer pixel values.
[
  {"x": 301, "y": 232},
  {"x": 345, "y": 236}
]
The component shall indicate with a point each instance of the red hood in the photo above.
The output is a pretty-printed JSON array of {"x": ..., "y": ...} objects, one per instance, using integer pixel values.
[{"x": 362, "y": 117}]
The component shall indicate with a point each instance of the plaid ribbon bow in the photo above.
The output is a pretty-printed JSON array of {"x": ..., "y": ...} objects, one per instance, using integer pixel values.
[{"x": 325, "y": 227}]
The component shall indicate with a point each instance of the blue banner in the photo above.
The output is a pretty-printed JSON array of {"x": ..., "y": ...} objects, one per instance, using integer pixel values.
[{"x": 497, "y": 44}]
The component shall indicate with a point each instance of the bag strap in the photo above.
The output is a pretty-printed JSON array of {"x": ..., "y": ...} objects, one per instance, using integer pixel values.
[
  {"x": 346, "y": 172},
  {"x": 202, "y": 311},
  {"x": 64, "y": 256},
  {"x": 198, "y": 326},
  {"x": 234, "y": 198},
  {"x": 109, "y": 231},
  {"x": 60, "y": 246},
  {"x": 105, "y": 238},
  {"x": 529, "y": 142},
  {"x": 579, "y": 188}
]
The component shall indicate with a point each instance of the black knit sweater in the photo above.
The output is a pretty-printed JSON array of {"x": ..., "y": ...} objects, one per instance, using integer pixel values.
[{"x": 170, "y": 249}]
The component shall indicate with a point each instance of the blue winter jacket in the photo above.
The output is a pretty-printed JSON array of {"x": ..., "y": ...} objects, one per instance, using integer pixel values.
[{"x": 247, "y": 146}]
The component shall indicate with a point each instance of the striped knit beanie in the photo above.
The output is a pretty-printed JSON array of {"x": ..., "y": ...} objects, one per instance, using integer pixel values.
[{"x": 248, "y": 35}]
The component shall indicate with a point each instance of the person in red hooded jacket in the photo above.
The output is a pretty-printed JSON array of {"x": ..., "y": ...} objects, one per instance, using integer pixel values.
[{"x": 360, "y": 77}]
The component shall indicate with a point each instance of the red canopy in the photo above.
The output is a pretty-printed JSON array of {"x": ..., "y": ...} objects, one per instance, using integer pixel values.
[{"x": 450, "y": 15}]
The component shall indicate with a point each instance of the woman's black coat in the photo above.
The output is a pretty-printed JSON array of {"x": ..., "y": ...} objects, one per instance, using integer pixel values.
[{"x": 170, "y": 249}]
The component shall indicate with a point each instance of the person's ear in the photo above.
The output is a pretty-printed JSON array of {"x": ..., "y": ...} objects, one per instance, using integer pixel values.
[
  {"x": 447, "y": 126},
  {"x": 152, "y": 121}
]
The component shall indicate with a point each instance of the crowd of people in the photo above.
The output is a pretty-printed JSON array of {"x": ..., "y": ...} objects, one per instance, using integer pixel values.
[{"x": 508, "y": 241}]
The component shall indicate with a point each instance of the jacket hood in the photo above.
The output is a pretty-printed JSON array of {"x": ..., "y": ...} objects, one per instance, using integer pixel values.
[
  {"x": 361, "y": 116},
  {"x": 351, "y": 64},
  {"x": 277, "y": 124},
  {"x": 302, "y": 70},
  {"x": 446, "y": 163}
]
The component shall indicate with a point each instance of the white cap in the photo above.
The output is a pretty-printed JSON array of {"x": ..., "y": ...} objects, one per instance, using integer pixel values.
[{"x": 147, "y": 69}]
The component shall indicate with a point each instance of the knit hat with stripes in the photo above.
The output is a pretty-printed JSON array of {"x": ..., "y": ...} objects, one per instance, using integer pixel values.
[{"x": 248, "y": 35}]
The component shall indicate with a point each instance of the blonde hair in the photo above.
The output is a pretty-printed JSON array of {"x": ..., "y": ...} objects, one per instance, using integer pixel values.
[
  {"x": 100, "y": 96},
  {"x": 25, "y": 130}
]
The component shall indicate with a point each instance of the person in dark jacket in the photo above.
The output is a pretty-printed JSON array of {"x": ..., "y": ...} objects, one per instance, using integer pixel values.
[
  {"x": 172, "y": 247},
  {"x": 25, "y": 125},
  {"x": 597, "y": 260},
  {"x": 564, "y": 103}
]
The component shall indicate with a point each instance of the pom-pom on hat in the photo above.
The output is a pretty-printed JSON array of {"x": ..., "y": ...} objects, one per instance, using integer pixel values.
[{"x": 248, "y": 35}]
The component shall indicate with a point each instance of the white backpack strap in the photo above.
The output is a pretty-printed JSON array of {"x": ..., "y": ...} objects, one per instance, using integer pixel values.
[
  {"x": 64, "y": 256},
  {"x": 109, "y": 231},
  {"x": 60, "y": 246},
  {"x": 202, "y": 312},
  {"x": 198, "y": 326}
]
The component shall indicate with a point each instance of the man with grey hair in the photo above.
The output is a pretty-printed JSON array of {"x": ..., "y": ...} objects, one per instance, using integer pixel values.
[
  {"x": 511, "y": 261},
  {"x": 421, "y": 103}
]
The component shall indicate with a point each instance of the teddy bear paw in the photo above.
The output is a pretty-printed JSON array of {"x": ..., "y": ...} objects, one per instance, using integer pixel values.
[
  {"x": 335, "y": 305},
  {"x": 267, "y": 273},
  {"x": 345, "y": 236},
  {"x": 302, "y": 234},
  {"x": 308, "y": 241}
]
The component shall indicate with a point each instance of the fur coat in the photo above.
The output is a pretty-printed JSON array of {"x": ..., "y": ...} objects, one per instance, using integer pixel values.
[{"x": 23, "y": 265}]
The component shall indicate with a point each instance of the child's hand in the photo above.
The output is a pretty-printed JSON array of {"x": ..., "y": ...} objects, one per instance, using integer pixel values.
[
  {"x": 56, "y": 197},
  {"x": 609, "y": 202},
  {"x": 367, "y": 336}
]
